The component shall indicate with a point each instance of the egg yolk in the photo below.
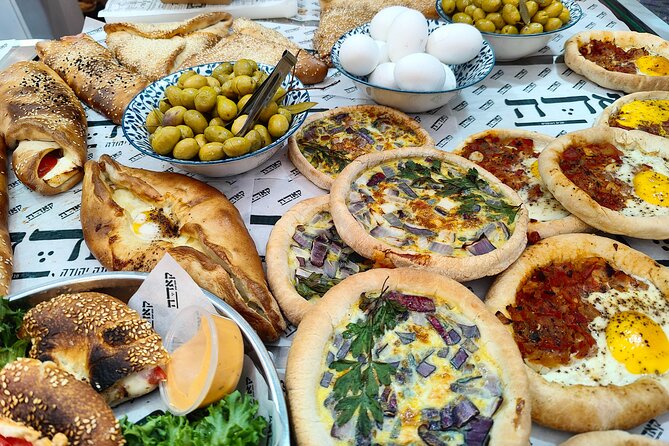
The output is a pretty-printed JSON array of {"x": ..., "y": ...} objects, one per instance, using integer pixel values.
[
  {"x": 534, "y": 168},
  {"x": 638, "y": 343},
  {"x": 652, "y": 187},
  {"x": 637, "y": 113},
  {"x": 143, "y": 226},
  {"x": 653, "y": 65}
]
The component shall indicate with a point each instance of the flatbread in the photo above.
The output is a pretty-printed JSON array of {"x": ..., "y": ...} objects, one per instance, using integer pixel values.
[
  {"x": 319, "y": 341},
  {"x": 315, "y": 158},
  {"x": 547, "y": 216},
  {"x": 647, "y": 111},
  {"x": 592, "y": 393},
  {"x": 626, "y": 82},
  {"x": 616, "y": 205},
  {"x": 462, "y": 238},
  {"x": 611, "y": 438}
]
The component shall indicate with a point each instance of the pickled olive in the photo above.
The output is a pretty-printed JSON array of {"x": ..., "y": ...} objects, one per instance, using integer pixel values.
[
  {"x": 244, "y": 67},
  {"x": 478, "y": 14},
  {"x": 277, "y": 125},
  {"x": 278, "y": 96},
  {"x": 243, "y": 85},
  {"x": 174, "y": 116},
  {"x": 184, "y": 76},
  {"x": 201, "y": 140},
  {"x": 217, "y": 133},
  {"x": 186, "y": 132},
  {"x": 211, "y": 151},
  {"x": 242, "y": 102},
  {"x": 511, "y": 2},
  {"x": 461, "y": 17},
  {"x": 196, "y": 121},
  {"x": 491, "y": 5},
  {"x": 260, "y": 76},
  {"x": 286, "y": 113},
  {"x": 509, "y": 29},
  {"x": 532, "y": 28},
  {"x": 271, "y": 109},
  {"x": 196, "y": 81},
  {"x": 213, "y": 82},
  {"x": 164, "y": 105},
  {"x": 165, "y": 139},
  {"x": 153, "y": 120},
  {"x": 227, "y": 90},
  {"x": 496, "y": 18},
  {"x": 238, "y": 124},
  {"x": 544, "y": 3},
  {"x": 469, "y": 10},
  {"x": 186, "y": 149},
  {"x": 205, "y": 99},
  {"x": 485, "y": 25},
  {"x": 226, "y": 108},
  {"x": 173, "y": 95},
  {"x": 188, "y": 97},
  {"x": 510, "y": 14},
  {"x": 477, "y": 3},
  {"x": 255, "y": 139},
  {"x": 236, "y": 146},
  {"x": 264, "y": 134},
  {"x": 554, "y": 9},
  {"x": 540, "y": 17},
  {"x": 460, "y": 5},
  {"x": 564, "y": 16},
  {"x": 216, "y": 121},
  {"x": 222, "y": 69},
  {"x": 552, "y": 24},
  {"x": 532, "y": 7},
  {"x": 448, "y": 6}
]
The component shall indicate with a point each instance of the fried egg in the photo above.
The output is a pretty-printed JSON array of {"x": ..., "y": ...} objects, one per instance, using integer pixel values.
[
  {"x": 637, "y": 113},
  {"x": 651, "y": 186},
  {"x": 653, "y": 65},
  {"x": 546, "y": 207},
  {"x": 639, "y": 343}
]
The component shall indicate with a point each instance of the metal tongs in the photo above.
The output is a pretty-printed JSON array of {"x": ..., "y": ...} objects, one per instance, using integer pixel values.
[{"x": 263, "y": 95}]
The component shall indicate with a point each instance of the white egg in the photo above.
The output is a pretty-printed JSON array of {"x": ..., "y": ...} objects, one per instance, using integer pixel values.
[
  {"x": 407, "y": 35},
  {"x": 455, "y": 43},
  {"x": 384, "y": 75},
  {"x": 378, "y": 27},
  {"x": 419, "y": 72},
  {"x": 359, "y": 54},
  {"x": 450, "y": 82},
  {"x": 383, "y": 51}
]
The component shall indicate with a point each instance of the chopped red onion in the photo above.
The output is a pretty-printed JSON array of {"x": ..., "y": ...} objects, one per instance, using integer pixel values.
[
  {"x": 470, "y": 345},
  {"x": 393, "y": 220},
  {"x": 406, "y": 338},
  {"x": 479, "y": 428},
  {"x": 446, "y": 417},
  {"x": 329, "y": 358},
  {"x": 411, "y": 302},
  {"x": 480, "y": 246},
  {"x": 376, "y": 179},
  {"x": 326, "y": 379},
  {"x": 425, "y": 369},
  {"x": 430, "y": 438},
  {"x": 330, "y": 268},
  {"x": 464, "y": 411},
  {"x": 452, "y": 337},
  {"x": 301, "y": 261},
  {"x": 318, "y": 253},
  {"x": 356, "y": 206},
  {"x": 407, "y": 189},
  {"x": 459, "y": 358},
  {"x": 301, "y": 239},
  {"x": 419, "y": 231},
  {"x": 470, "y": 331},
  {"x": 441, "y": 248},
  {"x": 343, "y": 350}
]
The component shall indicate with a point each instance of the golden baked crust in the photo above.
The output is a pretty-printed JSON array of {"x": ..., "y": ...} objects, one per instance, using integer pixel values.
[
  {"x": 12, "y": 429},
  {"x": 52, "y": 401},
  {"x": 613, "y": 109},
  {"x": 579, "y": 203},
  {"x": 628, "y": 83},
  {"x": 611, "y": 438},
  {"x": 324, "y": 180},
  {"x": 458, "y": 268},
  {"x": 41, "y": 115},
  {"x": 171, "y": 29},
  {"x": 195, "y": 224},
  {"x": 581, "y": 408},
  {"x": 545, "y": 228},
  {"x": 303, "y": 371},
  {"x": 6, "y": 252}
]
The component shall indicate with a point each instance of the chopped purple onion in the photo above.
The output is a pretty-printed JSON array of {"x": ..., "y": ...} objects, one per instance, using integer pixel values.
[
  {"x": 462, "y": 385},
  {"x": 441, "y": 248},
  {"x": 492, "y": 408},
  {"x": 301, "y": 239},
  {"x": 337, "y": 432},
  {"x": 365, "y": 135},
  {"x": 301, "y": 261},
  {"x": 407, "y": 189},
  {"x": 326, "y": 379},
  {"x": 330, "y": 358},
  {"x": 464, "y": 411},
  {"x": 470, "y": 331},
  {"x": 428, "y": 437},
  {"x": 437, "y": 326},
  {"x": 425, "y": 369},
  {"x": 343, "y": 350},
  {"x": 381, "y": 231},
  {"x": 419, "y": 231},
  {"x": 452, "y": 337},
  {"x": 411, "y": 302},
  {"x": 443, "y": 352},
  {"x": 376, "y": 179},
  {"x": 318, "y": 253},
  {"x": 480, "y": 246},
  {"x": 356, "y": 206},
  {"x": 459, "y": 358},
  {"x": 337, "y": 341},
  {"x": 299, "y": 272},
  {"x": 330, "y": 268},
  {"x": 446, "y": 417},
  {"x": 389, "y": 402},
  {"x": 393, "y": 220},
  {"x": 479, "y": 428},
  {"x": 505, "y": 229},
  {"x": 406, "y": 338},
  {"x": 335, "y": 248},
  {"x": 388, "y": 171},
  {"x": 470, "y": 346}
]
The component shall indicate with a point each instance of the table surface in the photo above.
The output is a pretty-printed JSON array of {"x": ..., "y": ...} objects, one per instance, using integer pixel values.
[{"x": 537, "y": 93}]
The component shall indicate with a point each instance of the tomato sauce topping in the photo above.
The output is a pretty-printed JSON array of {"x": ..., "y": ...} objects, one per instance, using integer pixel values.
[
  {"x": 11, "y": 441},
  {"x": 611, "y": 57},
  {"x": 550, "y": 316},
  {"x": 586, "y": 167}
]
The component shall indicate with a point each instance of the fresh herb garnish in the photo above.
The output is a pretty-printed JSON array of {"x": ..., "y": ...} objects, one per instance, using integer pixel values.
[
  {"x": 357, "y": 390},
  {"x": 10, "y": 321},
  {"x": 326, "y": 158},
  {"x": 315, "y": 285}
]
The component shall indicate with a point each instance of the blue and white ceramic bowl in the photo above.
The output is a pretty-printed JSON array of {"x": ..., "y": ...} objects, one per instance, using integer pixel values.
[
  {"x": 515, "y": 46},
  {"x": 136, "y": 133},
  {"x": 466, "y": 75}
]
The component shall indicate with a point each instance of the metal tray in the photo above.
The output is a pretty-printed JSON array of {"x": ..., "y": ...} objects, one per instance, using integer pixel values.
[{"x": 123, "y": 285}]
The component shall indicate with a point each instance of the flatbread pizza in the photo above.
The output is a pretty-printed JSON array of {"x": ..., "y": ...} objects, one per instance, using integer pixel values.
[
  {"x": 647, "y": 111},
  {"x": 611, "y": 438},
  {"x": 306, "y": 257},
  {"x": 402, "y": 356},
  {"x": 614, "y": 180},
  {"x": 620, "y": 60},
  {"x": 590, "y": 316},
  {"x": 426, "y": 208},
  {"x": 511, "y": 155},
  {"x": 328, "y": 141}
]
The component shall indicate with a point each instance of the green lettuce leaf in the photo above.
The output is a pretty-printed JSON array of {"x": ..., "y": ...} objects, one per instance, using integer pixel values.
[{"x": 10, "y": 321}]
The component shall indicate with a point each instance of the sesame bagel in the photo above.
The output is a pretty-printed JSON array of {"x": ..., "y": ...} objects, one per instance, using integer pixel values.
[
  {"x": 12, "y": 431},
  {"x": 52, "y": 401}
]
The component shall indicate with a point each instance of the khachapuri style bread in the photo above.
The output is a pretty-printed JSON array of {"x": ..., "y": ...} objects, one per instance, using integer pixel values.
[
  {"x": 612, "y": 179},
  {"x": 512, "y": 156},
  {"x": 328, "y": 141},
  {"x": 620, "y": 60},
  {"x": 306, "y": 257},
  {"x": 590, "y": 316},
  {"x": 132, "y": 217},
  {"x": 100, "y": 340},
  {"x": 6, "y": 251},
  {"x": 93, "y": 73},
  {"x": 611, "y": 438},
  {"x": 402, "y": 356},
  {"x": 42, "y": 120},
  {"x": 430, "y": 209},
  {"x": 15, "y": 433},
  {"x": 647, "y": 111},
  {"x": 53, "y": 401}
]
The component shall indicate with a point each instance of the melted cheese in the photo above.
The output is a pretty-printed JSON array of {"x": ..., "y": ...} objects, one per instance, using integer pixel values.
[{"x": 64, "y": 168}]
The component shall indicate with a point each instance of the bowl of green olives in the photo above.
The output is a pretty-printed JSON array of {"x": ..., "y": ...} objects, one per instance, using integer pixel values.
[
  {"x": 191, "y": 118},
  {"x": 514, "y": 28}
]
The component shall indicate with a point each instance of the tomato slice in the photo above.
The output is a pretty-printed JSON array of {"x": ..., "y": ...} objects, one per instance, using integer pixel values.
[
  {"x": 157, "y": 375},
  {"x": 10, "y": 441},
  {"x": 47, "y": 163}
]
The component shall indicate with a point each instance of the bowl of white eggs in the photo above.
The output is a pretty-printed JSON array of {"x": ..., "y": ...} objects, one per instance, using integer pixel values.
[{"x": 405, "y": 61}]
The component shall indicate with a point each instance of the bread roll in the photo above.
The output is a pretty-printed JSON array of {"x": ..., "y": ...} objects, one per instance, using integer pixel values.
[{"x": 12, "y": 430}]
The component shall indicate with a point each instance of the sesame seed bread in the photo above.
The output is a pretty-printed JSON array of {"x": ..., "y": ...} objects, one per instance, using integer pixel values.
[
  {"x": 19, "y": 431},
  {"x": 92, "y": 72},
  {"x": 171, "y": 29},
  {"x": 51, "y": 401},
  {"x": 98, "y": 339},
  {"x": 6, "y": 254},
  {"x": 39, "y": 116}
]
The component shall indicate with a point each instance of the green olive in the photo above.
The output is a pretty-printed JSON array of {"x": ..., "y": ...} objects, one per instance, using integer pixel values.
[
  {"x": 532, "y": 7},
  {"x": 188, "y": 97},
  {"x": 554, "y": 9},
  {"x": 544, "y": 3},
  {"x": 491, "y": 5},
  {"x": 279, "y": 95},
  {"x": 485, "y": 25},
  {"x": 227, "y": 90},
  {"x": 226, "y": 108},
  {"x": 469, "y": 10},
  {"x": 278, "y": 125},
  {"x": 286, "y": 113},
  {"x": 448, "y": 6},
  {"x": 153, "y": 120},
  {"x": 460, "y": 5},
  {"x": 564, "y": 16},
  {"x": 552, "y": 24},
  {"x": 509, "y": 29},
  {"x": 213, "y": 82},
  {"x": 173, "y": 95},
  {"x": 196, "y": 121},
  {"x": 479, "y": 14},
  {"x": 540, "y": 17},
  {"x": 211, "y": 151},
  {"x": 186, "y": 149},
  {"x": 511, "y": 2},
  {"x": 184, "y": 76},
  {"x": 260, "y": 76},
  {"x": 243, "y": 85},
  {"x": 496, "y": 18},
  {"x": 510, "y": 14},
  {"x": 238, "y": 124},
  {"x": 256, "y": 140},
  {"x": 244, "y": 67},
  {"x": 205, "y": 99},
  {"x": 268, "y": 111},
  {"x": 242, "y": 102},
  {"x": 201, "y": 140},
  {"x": 532, "y": 28},
  {"x": 217, "y": 133},
  {"x": 461, "y": 17},
  {"x": 236, "y": 146},
  {"x": 222, "y": 69},
  {"x": 164, "y": 105},
  {"x": 264, "y": 134},
  {"x": 217, "y": 121},
  {"x": 165, "y": 139},
  {"x": 174, "y": 116},
  {"x": 477, "y": 3},
  {"x": 196, "y": 81},
  {"x": 186, "y": 132},
  {"x": 224, "y": 78}
]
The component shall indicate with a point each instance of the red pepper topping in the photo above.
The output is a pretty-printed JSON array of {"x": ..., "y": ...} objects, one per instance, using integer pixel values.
[
  {"x": 157, "y": 375},
  {"x": 11, "y": 441},
  {"x": 47, "y": 163}
]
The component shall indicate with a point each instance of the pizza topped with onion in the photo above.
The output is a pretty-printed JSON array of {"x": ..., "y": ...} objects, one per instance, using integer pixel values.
[{"x": 647, "y": 111}]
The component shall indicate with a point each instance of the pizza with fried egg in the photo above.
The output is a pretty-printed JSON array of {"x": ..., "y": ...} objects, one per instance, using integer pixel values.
[
  {"x": 426, "y": 208},
  {"x": 328, "y": 141},
  {"x": 403, "y": 356},
  {"x": 620, "y": 60},
  {"x": 647, "y": 111},
  {"x": 614, "y": 180},
  {"x": 511, "y": 155},
  {"x": 590, "y": 317}
]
